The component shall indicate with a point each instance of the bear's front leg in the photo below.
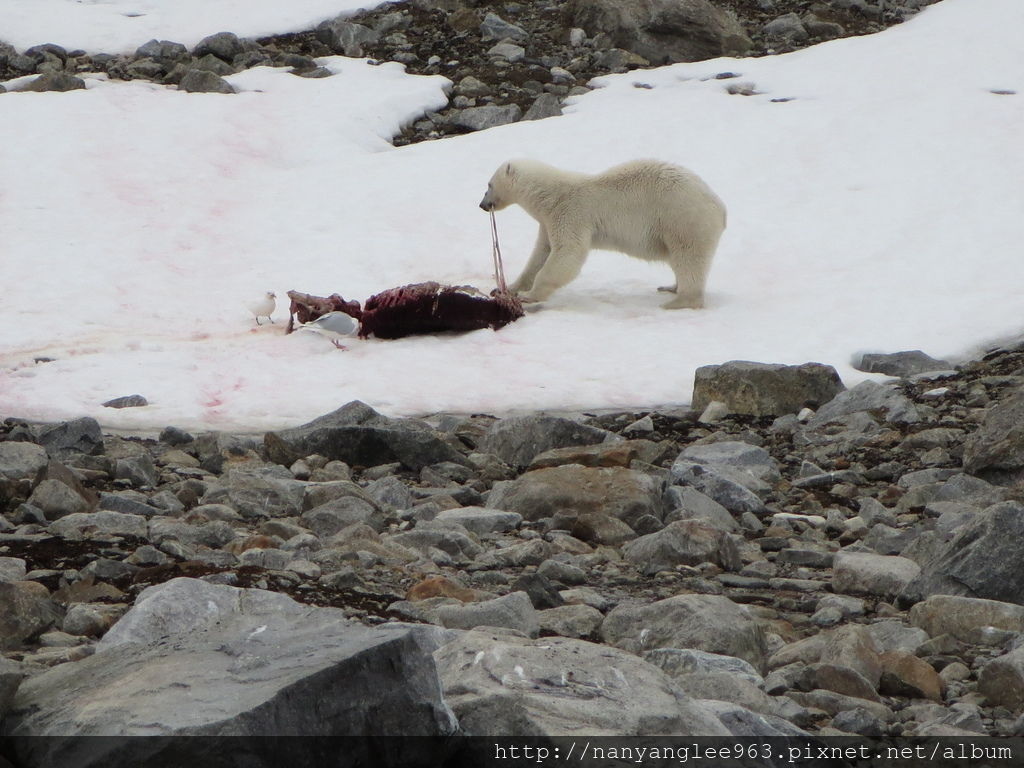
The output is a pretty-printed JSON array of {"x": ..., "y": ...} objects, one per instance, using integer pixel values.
[
  {"x": 541, "y": 250},
  {"x": 563, "y": 265}
]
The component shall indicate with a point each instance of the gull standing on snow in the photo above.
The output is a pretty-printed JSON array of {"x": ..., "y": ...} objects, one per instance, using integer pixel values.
[
  {"x": 333, "y": 325},
  {"x": 264, "y": 307}
]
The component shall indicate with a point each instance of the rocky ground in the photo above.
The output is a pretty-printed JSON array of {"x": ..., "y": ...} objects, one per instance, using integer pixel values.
[
  {"x": 508, "y": 61},
  {"x": 791, "y": 557}
]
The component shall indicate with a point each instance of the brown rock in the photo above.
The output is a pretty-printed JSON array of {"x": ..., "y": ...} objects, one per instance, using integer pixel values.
[
  {"x": 438, "y": 586},
  {"x": 904, "y": 674},
  {"x": 620, "y": 454}
]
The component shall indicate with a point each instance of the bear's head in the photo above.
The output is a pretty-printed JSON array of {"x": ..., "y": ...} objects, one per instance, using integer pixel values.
[{"x": 499, "y": 188}]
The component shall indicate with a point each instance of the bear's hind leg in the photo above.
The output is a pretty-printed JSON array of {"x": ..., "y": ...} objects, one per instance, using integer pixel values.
[{"x": 691, "y": 275}]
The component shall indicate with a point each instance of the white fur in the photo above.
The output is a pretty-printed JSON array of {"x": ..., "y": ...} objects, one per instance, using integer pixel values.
[{"x": 646, "y": 208}]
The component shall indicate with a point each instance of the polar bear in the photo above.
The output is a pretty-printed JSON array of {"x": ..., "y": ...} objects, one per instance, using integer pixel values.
[{"x": 645, "y": 208}]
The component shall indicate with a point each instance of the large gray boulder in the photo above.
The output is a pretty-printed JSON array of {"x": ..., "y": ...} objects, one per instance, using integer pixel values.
[
  {"x": 517, "y": 440},
  {"x": 870, "y": 397},
  {"x": 984, "y": 559},
  {"x": 765, "y": 389},
  {"x": 710, "y": 623},
  {"x": 358, "y": 435},
  {"x": 345, "y": 37},
  {"x": 748, "y": 465},
  {"x": 663, "y": 31},
  {"x": 617, "y": 492},
  {"x": 503, "y": 685},
  {"x": 195, "y": 659},
  {"x": 996, "y": 451},
  {"x": 684, "y": 542},
  {"x": 24, "y": 615}
]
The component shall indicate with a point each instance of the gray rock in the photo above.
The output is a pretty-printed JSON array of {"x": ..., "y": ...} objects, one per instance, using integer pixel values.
[
  {"x": 69, "y": 437},
  {"x": 211, "y": 63},
  {"x": 996, "y": 450},
  {"x": 685, "y": 542},
  {"x": 662, "y": 31},
  {"x": 121, "y": 502},
  {"x": 223, "y": 45},
  {"x": 562, "y": 573},
  {"x": 682, "y": 502},
  {"x": 163, "y": 51},
  {"x": 257, "y": 494},
  {"x": 57, "y": 499},
  {"x": 358, "y": 435},
  {"x": 984, "y": 559},
  {"x": 545, "y": 105},
  {"x": 732, "y": 495},
  {"x": 787, "y": 28},
  {"x": 11, "y": 675},
  {"x": 490, "y": 116},
  {"x": 743, "y": 463},
  {"x": 761, "y": 389},
  {"x": 514, "y": 611},
  {"x": 493, "y": 27},
  {"x": 479, "y": 520},
  {"x": 539, "y": 589},
  {"x": 455, "y": 543},
  {"x": 901, "y": 364},
  {"x": 12, "y": 569},
  {"x": 335, "y": 515},
  {"x": 502, "y": 685},
  {"x": 965, "y": 617},
  {"x": 517, "y": 440},
  {"x": 80, "y": 525},
  {"x": 1001, "y": 681},
  {"x": 242, "y": 663},
  {"x": 56, "y": 81},
  {"x": 894, "y": 635},
  {"x": 871, "y": 397},
  {"x": 24, "y": 615},
  {"x": 865, "y": 573},
  {"x": 391, "y": 492},
  {"x": 624, "y": 494},
  {"x": 680, "y": 662},
  {"x": 21, "y": 461},
  {"x": 579, "y": 621},
  {"x": 472, "y": 87},
  {"x": 346, "y": 37},
  {"x": 510, "y": 52},
  {"x": 127, "y": 401},
  {"x": 137, "y": 470},
  {"x": 710, "y": 623},
  {"x": 742, "y": 722},
  {"x": 202, "y": 81}
]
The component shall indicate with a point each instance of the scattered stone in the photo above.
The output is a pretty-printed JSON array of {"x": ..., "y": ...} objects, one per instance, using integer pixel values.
[{"x": 128, "y": 401}]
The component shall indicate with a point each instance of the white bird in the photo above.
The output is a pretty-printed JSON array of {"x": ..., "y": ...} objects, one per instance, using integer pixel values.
[
  {"x": 333, "y": 325},
  {"x": 264, "y": 306}
]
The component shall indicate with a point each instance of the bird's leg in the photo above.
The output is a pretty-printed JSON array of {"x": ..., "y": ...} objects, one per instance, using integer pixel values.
[
  {"x": 258, "y": 320},
  {"x": 338, "y": 345}
]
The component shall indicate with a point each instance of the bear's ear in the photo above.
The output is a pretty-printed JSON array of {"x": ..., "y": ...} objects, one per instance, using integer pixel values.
[{"x": 508, "y": 169}]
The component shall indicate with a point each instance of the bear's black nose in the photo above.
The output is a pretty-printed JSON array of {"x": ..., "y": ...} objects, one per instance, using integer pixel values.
[{"x": 485, "y": 205}]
